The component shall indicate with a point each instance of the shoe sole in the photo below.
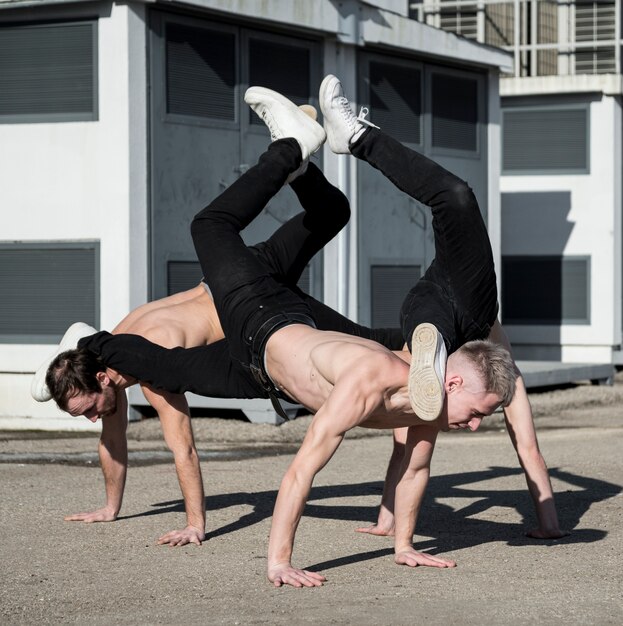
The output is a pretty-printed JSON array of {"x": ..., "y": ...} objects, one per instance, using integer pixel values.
[
  {"x": 426, "y": 389},
  {"x": 305, "y": 119},
  {"x": 38, "y": 389}
]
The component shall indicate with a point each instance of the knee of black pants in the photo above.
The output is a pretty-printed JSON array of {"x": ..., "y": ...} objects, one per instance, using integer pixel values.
[
  {"x": 321, "y": 200},
  {"x": 339, "y": 211},
  {"x": 459, "y": 195},
  {"x": 209, "y": 220},
  {"x": 200, "y": 226}
]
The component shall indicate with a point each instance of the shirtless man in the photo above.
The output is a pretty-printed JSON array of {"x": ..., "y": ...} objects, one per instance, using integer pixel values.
[
  {"x": 188, "y": 320},
  {"x": 347, "y": 381},
  {"x": 457, "y": 292}
]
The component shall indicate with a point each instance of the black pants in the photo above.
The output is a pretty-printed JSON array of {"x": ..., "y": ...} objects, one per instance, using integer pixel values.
[
  {"x": 209, "y": 370},
  {"x": 458, "y": 292}
]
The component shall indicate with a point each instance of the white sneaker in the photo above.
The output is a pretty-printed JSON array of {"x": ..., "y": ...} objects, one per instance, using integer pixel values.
[
  {"x": 427, "y": 373},
  {"x": 38, "y": 389},
  {"x": 342, "y": 127},
  {"x": 285, "y": 119}
]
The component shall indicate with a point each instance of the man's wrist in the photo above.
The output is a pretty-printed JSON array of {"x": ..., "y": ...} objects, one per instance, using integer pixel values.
[
  {"x": 402, "y": 547},
  {"x": 112, "y": 510},
  {"x": 199, "y": 529}
]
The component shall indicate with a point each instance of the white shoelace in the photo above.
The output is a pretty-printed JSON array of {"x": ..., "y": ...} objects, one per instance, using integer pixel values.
[{"x": 363, "y": 113}]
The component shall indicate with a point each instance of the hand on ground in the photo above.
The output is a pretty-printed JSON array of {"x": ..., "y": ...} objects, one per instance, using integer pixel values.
[
  {"x": 285, "y": 574},
  {"x": 190, "y": 534},
  {"x": 100, "y": 515},
  {"x": 377, "y": 529},
  {"x": 413, "y": 559}
]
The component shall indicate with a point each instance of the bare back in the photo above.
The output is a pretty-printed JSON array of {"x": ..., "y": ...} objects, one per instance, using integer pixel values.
[
  {"x": 307, "y": 364},
  {"x": 186, "y": 320}
]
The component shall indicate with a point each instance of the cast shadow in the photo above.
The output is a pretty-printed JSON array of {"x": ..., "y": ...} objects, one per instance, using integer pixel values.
[{"x": 447, "y": 528}]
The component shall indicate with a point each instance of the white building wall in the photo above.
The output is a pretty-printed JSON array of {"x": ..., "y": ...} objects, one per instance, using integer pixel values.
[
  {"x": 594, "y": 222},
  {"x": 71, "y": 181},
  {"x": 89, "y": 180}
]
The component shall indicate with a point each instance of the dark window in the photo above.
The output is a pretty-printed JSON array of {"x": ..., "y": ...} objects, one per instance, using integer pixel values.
[
  {"x": 550, "y": 290},
  {"x": 282, "y": 67},
  {"x": 545, "y": 140},
  {"x": 201, "y": 72},
  {"x": 455, "y": 112},
  {"x": 395, "y": 96},
  {"x": 182, "y": 275},
  {"x": 47, "y": 72},
  {"x": 46, "y": 289},
  {"x": 390, "y": 285}
]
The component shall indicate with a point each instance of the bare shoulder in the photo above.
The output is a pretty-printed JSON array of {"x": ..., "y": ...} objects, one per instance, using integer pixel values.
[
  {"x": 185, "y": 320},
  {"x": 367, "y": 361},
  {"x": 152, "y": 310}
]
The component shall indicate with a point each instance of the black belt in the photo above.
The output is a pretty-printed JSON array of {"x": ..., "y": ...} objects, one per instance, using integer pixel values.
[
  {"x": 261, "y": 377},
  {"x": 257, "y": 353}
]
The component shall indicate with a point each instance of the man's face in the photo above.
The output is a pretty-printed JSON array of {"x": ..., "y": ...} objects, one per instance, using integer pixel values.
[
  {"x": 93, "y": 405},
  {"x": 465, "y": 408}
]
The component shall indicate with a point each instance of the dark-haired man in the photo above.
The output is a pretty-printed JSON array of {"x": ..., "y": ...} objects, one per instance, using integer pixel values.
[{"x": 84, "y": 384}]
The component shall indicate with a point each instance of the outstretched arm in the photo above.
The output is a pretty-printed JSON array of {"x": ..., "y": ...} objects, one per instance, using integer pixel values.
[
  {"x": 113, "y": 455},
  {"x": 410, "y": 491},
  {"x": 177, "y": 429},
  {"x": 318, "y": 447},
  {"x": 520, "y": 425},
  {"x": 352, "y": 400}
]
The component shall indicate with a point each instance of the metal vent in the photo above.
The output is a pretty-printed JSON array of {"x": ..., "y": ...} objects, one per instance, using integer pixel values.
[
  {"x": 545, "y": 140},
  {"x": 390, "y": 285},
  {"x": 455, "y": 112},
  {"x": 396, "y": 100},
  {"x": 46, "y": 289},
  {"x": 549, "y": 290},
  {"x": 182, "y": 275},
  {"x": 201, "y": 72},
  {"x": 48, "y": 70},
  {"x": 284, "y": 68}
]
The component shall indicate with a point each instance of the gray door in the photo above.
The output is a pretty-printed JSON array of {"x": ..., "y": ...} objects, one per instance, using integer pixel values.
[
  {"x": 203, "y": 135},
  {"x": 417, "y": 104}
]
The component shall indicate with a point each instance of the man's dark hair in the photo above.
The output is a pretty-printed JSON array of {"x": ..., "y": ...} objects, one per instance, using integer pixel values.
[{"x": 73, "y": 372}]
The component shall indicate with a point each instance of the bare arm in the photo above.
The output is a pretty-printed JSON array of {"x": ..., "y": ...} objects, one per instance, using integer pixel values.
[
  {"x": 113, "y": 455},
  {"x": 520, "y": 425},
  {"x": 177, "y": 429},
  {"x": 350, "y": 402},
  {"x": 174, "y": 416},
  {"x": 409, "y": 495}
]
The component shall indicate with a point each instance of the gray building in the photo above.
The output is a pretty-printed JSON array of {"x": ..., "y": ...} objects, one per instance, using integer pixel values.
[
  {"x": 562, "y": 148},
  {"x": 119, "y": 121}
]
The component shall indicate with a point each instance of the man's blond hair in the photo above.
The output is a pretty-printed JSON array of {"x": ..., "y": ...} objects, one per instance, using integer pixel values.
[{"x": 495, "y": 367}]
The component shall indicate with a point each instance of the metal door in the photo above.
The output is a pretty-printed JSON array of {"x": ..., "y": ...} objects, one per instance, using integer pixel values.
[
  {"x": 203, "y": 135},
  {"x": 408, "y": 100}
]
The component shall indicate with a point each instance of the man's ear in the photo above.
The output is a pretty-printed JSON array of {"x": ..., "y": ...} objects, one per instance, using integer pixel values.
[
  {"x": 103, "y": 379},
  {"x": 453, "y": 383}
]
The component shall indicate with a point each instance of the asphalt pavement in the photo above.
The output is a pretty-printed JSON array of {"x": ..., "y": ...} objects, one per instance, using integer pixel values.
[{"x": 477, "y": 511}]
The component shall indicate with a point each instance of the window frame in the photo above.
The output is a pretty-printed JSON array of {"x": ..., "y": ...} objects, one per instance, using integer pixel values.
[
  {"x": 365, "y": 57},
  {"x": 481, "y": 112},
  {"x": 91, "y": 116},
  {"x": 92, "y": 244},
  {"x": 585, "y": 106},
  {"x": 564, "y": 321}
]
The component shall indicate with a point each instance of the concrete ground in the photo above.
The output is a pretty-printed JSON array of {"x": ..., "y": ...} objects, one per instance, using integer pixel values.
[{"x": 476, "y": 512}]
